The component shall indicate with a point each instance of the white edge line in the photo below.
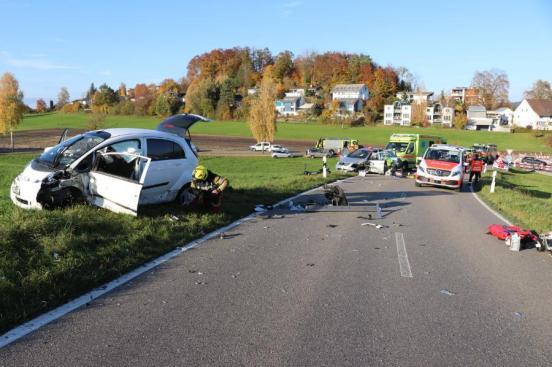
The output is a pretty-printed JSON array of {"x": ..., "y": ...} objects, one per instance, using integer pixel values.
[
  {"x": 489, "y": 208},
  {"x": 20, "y": 331},
  {"x": 404, "y": 264}
]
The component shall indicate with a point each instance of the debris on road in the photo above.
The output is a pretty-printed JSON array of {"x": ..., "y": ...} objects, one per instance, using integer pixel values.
[
  {"x": 310, "y": 264},
  {"x": 378, "y": 226},
  {"x": 335, "y": 195},
  {"x": 515, "y": 237},
  {"x": 447, "y": 292},
  {"x": 331, "y": 225}
]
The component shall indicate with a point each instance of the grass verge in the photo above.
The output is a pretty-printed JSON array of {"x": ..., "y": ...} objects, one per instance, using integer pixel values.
[
  {"x": 376, "y": 135},
  {"x": 50, "y": 257},
  {"x": 525, "y": 198}
]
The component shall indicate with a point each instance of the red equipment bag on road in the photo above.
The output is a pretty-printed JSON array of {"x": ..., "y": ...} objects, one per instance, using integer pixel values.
[{"x": 503, "y": 232}]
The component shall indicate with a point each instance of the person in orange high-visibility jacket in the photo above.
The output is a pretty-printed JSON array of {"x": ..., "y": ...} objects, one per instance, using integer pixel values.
[{"x": 476, "y": 167}]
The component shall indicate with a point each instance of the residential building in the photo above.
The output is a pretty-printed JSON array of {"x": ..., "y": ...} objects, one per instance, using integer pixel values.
[
  {"x": 351, "y": 97},
  {"x": 400, "y": 113},
  {"x": 534, "y": 113},
  {"x": 288, "y": 106},
  {"x": 479, "y": 118},
  {"x": 418, "y": 97},
  {"x": 468, "y": 96},
  {"x": 251, "y": 91},
  {"x": 439, "y": 115},
  {"x": 397, "y": 114}
]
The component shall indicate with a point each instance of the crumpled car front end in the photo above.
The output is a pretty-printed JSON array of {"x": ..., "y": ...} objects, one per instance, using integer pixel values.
[{"x": 25, "y": 187}]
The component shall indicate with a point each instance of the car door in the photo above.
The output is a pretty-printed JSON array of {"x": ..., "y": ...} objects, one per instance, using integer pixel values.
[
  {"x": 376, "y": 164},
  {"x": 168, "y": 164},
  {"x": 116, "y": 181}
]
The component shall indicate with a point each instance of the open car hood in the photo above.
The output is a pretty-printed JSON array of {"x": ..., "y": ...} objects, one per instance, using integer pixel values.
[{"x": 179, "y": 124}]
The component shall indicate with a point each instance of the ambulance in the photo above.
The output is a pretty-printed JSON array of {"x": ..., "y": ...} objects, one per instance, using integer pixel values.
[
  {"x": 410, "y": 148},
  {"x": 442, "y": 165}
]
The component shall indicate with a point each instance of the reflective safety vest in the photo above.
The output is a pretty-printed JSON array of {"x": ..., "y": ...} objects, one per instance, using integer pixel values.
[{"x": 476, "y": 165}]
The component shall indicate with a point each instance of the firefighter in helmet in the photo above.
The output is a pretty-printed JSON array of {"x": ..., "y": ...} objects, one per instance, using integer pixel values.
[{"x": 208, "y": 186}]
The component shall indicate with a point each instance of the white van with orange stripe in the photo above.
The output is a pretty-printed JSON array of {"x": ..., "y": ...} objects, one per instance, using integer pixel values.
[{"x": 442, "y": 165}]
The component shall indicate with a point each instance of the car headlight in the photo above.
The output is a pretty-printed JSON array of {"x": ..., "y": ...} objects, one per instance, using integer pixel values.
[
  {"x": 456, "y": 172},
  {"x": 421, "y": 169},
  {"x": 15, "y": 186}
]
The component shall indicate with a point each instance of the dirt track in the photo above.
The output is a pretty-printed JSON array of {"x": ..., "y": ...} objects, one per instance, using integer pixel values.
[{"x": 36, "y": 140}]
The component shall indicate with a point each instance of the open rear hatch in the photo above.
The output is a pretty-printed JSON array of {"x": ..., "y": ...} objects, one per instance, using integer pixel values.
[{"x": 180, "y": 124}]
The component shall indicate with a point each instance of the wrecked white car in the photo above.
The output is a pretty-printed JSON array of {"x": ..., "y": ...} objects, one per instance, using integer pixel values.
[{"x": 116, "y": 169}]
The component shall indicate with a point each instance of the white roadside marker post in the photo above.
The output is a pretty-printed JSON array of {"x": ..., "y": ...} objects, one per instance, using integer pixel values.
[
  {"x": 493, "y": 183},
  {"x": 324, "y": 167}
]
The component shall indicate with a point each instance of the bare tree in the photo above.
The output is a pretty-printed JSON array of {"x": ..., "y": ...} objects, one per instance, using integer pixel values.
[
  {"x": 262, "y": 115},
  {"x": 419, "y": 116},
  {"x": 493, "y": 86},
  {"x": 63, "y": 98},
  {"x": 541, "y": 90}
]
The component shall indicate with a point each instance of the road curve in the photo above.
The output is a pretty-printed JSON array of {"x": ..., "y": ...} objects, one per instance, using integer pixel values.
[{"x": 321, "y": 289}]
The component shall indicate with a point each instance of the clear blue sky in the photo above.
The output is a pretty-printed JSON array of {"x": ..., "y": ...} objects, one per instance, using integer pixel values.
[{"x": 50, "y": 44}]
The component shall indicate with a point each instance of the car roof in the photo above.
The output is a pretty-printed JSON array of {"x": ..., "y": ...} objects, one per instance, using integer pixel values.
[
  {"x": 447, "y": 147},
  {"x": 119, "y": 132}
]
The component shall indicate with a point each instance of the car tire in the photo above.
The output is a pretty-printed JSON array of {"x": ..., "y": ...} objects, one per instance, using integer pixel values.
[
  {"x": 185, "y": 195},
  {"x": 331, "y": 152}
]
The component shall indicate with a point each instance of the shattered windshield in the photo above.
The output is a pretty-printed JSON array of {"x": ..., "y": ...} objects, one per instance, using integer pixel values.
[
  {"x": 359, "y": 153},
  {"x": 62, "y": 155},
  {"x": 397, "y": 147},
  {"x": 443, "y": 155}
]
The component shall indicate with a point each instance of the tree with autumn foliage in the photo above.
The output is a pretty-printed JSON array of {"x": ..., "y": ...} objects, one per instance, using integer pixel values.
[
  {"x": 41, "y": 106},
  {"x": 11, "y": 104},
  {"x": 262, "y": 115}
]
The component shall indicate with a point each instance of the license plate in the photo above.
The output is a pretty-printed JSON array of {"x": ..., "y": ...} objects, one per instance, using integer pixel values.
[{"x": 437, "y": 181}]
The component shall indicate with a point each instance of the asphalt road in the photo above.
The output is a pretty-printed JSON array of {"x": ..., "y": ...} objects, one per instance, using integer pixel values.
[{"x": 320, "y": 289}]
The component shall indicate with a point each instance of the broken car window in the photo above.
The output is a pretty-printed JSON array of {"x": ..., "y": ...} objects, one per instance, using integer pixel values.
[{"x": 62, "y": 155}]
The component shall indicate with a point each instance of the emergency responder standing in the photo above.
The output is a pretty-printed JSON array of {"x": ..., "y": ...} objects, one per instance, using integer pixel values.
[
  {"x": 208, "y": 186},
  {"x": 476, "y": 167}
]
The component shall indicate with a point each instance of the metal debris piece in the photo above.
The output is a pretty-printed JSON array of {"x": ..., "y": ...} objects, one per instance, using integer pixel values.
[
  {"x": 378, "y": 226},
  {"x": 331, "y": 225},
  {"x": 201, "y": 283},
  {"x": 518, "y": 314},
  {"x": 192, "y": 271},
  {"x": 310, "y": 264},
  {"x": 221, "y": 235},
  {"x": 447, "y": 292}
]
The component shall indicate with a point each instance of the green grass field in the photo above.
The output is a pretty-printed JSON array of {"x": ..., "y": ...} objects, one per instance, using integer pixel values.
[
  {"x": 49, "y": 257},
  {"x": 524, "y": 198},
  {"x": 378, "y": 135}
]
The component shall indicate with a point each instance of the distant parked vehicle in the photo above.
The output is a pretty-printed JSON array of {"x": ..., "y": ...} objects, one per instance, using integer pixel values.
[
  {"x": 534, "y": 161},
  {"x": 487, "y": 152},
  {"x": 282, "y": 153},
  {"x": 319, "y": 153},
  {"x": 337, "y": 145},
  {"x": 260, "y": 147},
  {"x": 275, "y": 148}
]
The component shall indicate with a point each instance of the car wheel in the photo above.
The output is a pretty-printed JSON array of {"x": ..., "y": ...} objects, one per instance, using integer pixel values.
[
  {"x": 185, "y": 195},
  {"x": 331, "y": 152}
]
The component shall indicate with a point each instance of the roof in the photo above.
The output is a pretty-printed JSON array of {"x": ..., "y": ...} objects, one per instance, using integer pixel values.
[
  {"x": 542, "y": 107},
  {"x": 115, "y": 132},
  {"x": 290, "y": 99},
  {"x": 477, "y": 108},
  {"x": 348, "y": 88},
  {"x": 348, "y": 100}
]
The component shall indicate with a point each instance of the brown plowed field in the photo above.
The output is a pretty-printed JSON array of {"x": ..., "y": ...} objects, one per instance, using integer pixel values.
[{"x": 36, "y": 140}]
